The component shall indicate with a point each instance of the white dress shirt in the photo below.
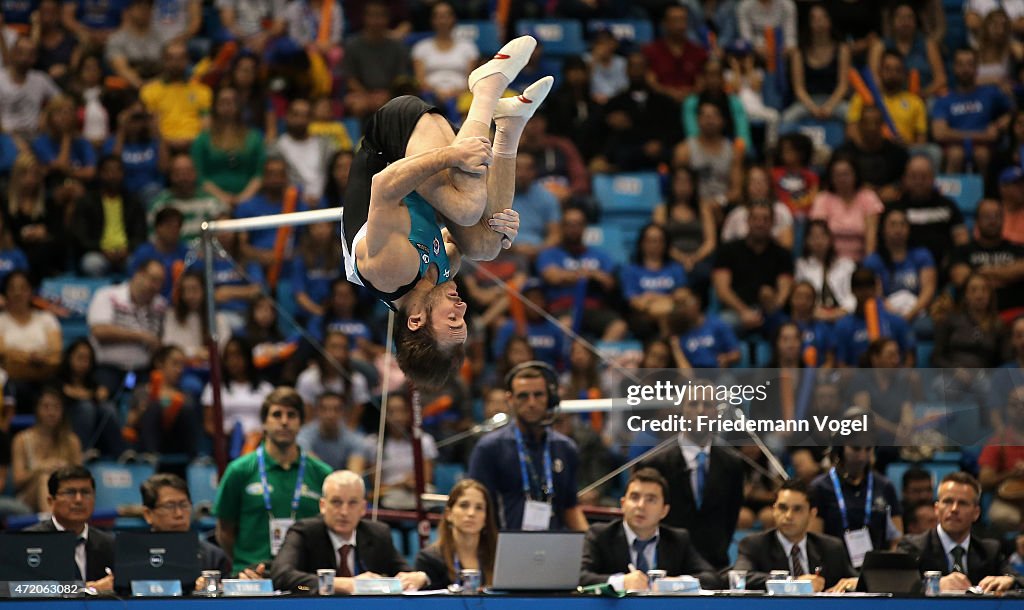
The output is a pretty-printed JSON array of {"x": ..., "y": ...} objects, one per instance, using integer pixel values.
[
  {"x": 79, "y": 548},
  {"x": 650, "y": 553},
  {"x": 338, "y": 542},
  {"x": 787, "y": 546},
  {"x": 948, "y": 544},
  {"x": 690, "y": 452}
]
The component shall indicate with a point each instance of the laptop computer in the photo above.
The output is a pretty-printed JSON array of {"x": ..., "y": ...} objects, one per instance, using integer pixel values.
[
  {"x": 889, "y": 572},
  {"x": 156, "y": 556},
  {"x": 38, "y": 556},
  {"x": 538, "y": 561}
]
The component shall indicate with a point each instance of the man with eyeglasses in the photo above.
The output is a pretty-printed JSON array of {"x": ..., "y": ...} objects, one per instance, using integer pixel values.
[
  {"x": 706, "y": 479},
  {"x": 791, "y": 547},
  {"x": 262, "y": 493},
  {"x": 340, "y": 539},
  {"x": 72, "y": 500},
  {"x": 963, "y": 559},
  {"x": 167, "y": 507}
]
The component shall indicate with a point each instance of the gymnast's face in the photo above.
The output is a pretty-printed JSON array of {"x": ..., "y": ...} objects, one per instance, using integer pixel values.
[{"x": 448, "y": 315}]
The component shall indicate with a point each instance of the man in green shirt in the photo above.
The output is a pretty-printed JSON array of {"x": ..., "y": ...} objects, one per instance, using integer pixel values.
[{"x": 261, "y": 494}]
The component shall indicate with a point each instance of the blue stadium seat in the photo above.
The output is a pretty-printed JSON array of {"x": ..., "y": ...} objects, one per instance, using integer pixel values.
[
  {"x": 354, "y": 128},
  {"x": 894, "y": 472},
  {"x": 118, "y": 484},
  {"x": 616, "y": 349},
  {"x": 634, "y": 31},
  {"x": 762, "y": 353},
  {"x": 924, "y": 354},
  {"x": 964, "y": 189},
  {"x": 483, "y": 33},
  {"x": 608, "y": 236},
  {"x": 202, "y": 482},
  {"x": 447, "y": 475},
  {"x": 72, "y": 292},
  {"x": 413, "y": 37},
  {"x": 828, "y": 133},
  {"x": 628, "y": 192},
  {"x": 560, "y": 37}
]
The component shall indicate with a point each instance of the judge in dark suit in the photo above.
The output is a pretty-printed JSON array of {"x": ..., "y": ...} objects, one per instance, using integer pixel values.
[
  {"x": 707, "y": 483},
  {"x": 467, "y": 537},
  {"x": 167, "y": 507},
  {"x": 72, "y": 500},
  {"x": 621, "y": 552},
  {"x": 789, "y": 546},
  {"x": 341, "y": 540},
  {"x": 951, "y": 549}
]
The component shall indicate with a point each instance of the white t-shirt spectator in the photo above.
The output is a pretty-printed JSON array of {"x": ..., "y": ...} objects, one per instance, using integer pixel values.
[
  {"x": 170, "y": 18},
  {"x": 754, "y": 17},
  {"x": 240, "y": 403},
  {"x": 188, "y": 335},
  {"x": 310, "y": 387},
  {"x": 304, "y": 22},
  {"x": 736, "y": 225},
  {"x": 307, "y": 162},
  {"x": 249, "y": 14},
  {"x": 113, "y": 305},
  {"x": 21, "y": 104},
  {"x": 32, "y": 336},
  {"x": 446, "y": 70},
  {"x": 1014, "y": 8}
]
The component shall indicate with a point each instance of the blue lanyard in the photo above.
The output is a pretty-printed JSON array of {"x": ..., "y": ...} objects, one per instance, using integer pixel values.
[
  {"x": 549, "y": 484},
  {"x": 842, "y": 501},
  {"x": 266, "y": 486}
]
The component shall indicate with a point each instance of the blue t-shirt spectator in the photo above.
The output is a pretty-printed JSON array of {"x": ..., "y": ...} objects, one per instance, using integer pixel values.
[
  {"x": 538, "y": 208},
  {"x": 351, "y": 328},
  {"x": 560, "y": 297},
  {"x": 12, "y": 260},
  {"x": 99, "y": 14},
  {"x": 18, "y": 12},
  {"x": 225, "y": 274},
  {"x": 148, "y": 251},
  {"x": 316, "y": 283},
  {"x": 8, "y": 152},
  {"x": 638, "y": 279},
  {"x": 47, "y": 150},
  {"x": 817, "y": 334},
  {"x": 971, "y": 110},
  {"x": 259, "y": 205},
  {"x": 702, "y": 345},
  {"x": 546, "y": 339},
  {"x": 902, "y": 275},
  {"x": 141, "y": 166},
  {"x": 851, "y": 335}
]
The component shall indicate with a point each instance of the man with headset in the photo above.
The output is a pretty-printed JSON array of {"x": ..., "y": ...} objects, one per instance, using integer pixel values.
[{"x": 529, "y": 468}]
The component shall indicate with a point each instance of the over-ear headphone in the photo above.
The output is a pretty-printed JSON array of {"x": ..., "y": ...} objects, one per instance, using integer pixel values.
[{"x": 550, "y": 379}]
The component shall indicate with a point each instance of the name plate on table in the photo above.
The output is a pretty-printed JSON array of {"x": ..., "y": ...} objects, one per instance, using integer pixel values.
[
  {"x": 44, "y": 588},
  {"x": 156, "y": 588},
  {"x": 790, "y": 587},
  {"x": 677, "y": 585},
  {"x": 377, "y": 586},
  {"x": 236, "y": 587}
]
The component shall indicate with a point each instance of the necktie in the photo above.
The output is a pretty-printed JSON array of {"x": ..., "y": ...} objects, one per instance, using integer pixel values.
[
  {"x": 795, "y": 562},
  {"x": 958, "y": 559},
  {"x": 79, "y": 569},
  {"x": 343, "y": 553},
  {"x": 702, "y": 461},
  {"x": 641, "y": 559}
]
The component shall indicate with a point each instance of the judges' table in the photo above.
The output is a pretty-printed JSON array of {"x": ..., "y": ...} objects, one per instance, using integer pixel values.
[{"x": 510, "y": 602}]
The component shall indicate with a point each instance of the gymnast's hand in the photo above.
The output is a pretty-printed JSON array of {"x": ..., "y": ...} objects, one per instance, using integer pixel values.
[
  {"x": 505, "y": 222},
  {"x": 471, "y": 155}
]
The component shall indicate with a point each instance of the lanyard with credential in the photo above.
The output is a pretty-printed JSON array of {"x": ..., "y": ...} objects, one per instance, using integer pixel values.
[
  {"x": 549, "y": 484},
  {"x": 266, "y": 487},
  {"x": 842, "y": 501}
]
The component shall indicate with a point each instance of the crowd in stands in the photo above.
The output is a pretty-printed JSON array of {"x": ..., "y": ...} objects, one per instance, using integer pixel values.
[{"x": 801, "y": 153}]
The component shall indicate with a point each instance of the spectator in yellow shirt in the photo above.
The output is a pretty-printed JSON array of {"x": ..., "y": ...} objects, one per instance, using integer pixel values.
[
  {"x": 907, "y": 110},
  {"x": 180, "y": 106}
]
